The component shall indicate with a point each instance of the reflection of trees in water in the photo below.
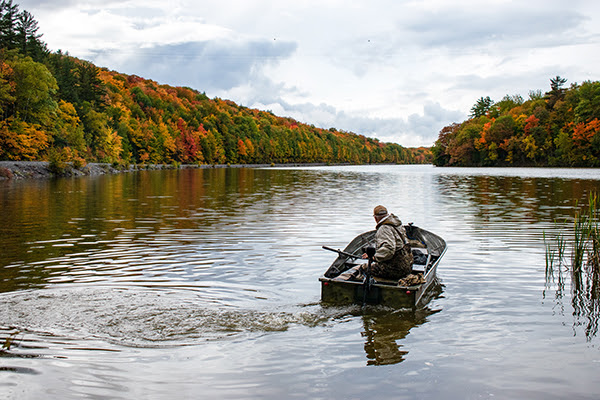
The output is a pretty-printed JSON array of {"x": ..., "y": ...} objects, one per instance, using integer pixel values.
[
  {"x": 517, "y": 199},
  {"x": 45, "y": 222},
  {"x": 383, "y": 329}
]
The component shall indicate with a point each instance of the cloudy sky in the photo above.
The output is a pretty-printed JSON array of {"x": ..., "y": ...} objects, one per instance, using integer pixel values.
[{"x": 395, "y": 70}]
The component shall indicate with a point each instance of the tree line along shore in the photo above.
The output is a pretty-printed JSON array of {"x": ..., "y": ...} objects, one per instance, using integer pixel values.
[{"x": 559, "y": 128}]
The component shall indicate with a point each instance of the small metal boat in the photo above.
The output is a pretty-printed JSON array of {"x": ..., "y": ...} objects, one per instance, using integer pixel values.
[{"x": 342, "y": 283}]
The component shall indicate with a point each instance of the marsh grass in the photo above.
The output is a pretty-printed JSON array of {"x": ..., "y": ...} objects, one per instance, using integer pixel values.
[
  {"x": 577, "y": 252},
  {"x": 586, "y": 243},
  {"x": 582, "y": 243}
]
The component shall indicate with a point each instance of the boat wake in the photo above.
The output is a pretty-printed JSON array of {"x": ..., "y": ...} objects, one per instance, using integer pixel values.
[{"x": 143, "y": 318}]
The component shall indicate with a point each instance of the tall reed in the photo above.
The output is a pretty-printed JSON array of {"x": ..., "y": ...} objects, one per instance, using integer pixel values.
[
  {"x": 579, "y": 253},
  {"x": 583, "y": 242}
]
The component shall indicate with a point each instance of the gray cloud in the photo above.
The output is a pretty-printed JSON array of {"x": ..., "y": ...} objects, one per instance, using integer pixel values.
[
  {"x": 60, "y": 4},
  {"x": 49, "y": 4},
  {"x": 205, "y": 66},
  {"x": 512, "y": 24}
]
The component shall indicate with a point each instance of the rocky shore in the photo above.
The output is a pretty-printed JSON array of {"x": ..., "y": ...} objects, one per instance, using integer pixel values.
[{"x": 41, "y": 169}]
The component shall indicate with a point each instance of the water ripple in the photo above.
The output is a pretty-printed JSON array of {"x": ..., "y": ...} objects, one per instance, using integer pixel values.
[{"x": 221, "y": 268}]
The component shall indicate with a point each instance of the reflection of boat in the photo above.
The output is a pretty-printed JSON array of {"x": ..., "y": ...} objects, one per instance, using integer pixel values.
[
  {"x": 383, "y": 330},
  {"x": 339, "y": 284}
]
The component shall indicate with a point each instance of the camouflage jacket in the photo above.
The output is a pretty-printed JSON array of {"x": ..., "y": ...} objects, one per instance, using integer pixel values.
[{"x": 390, "y": 238}]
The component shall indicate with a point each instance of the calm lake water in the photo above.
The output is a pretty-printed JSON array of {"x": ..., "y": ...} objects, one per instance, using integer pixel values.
[{"x": 204, "y": 284}]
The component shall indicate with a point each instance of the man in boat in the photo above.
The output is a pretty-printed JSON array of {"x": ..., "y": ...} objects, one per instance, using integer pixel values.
[{"x": 393, "y": 258}]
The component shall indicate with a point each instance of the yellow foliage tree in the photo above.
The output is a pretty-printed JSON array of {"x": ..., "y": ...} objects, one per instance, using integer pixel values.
[{"x": 21, "y": 141}]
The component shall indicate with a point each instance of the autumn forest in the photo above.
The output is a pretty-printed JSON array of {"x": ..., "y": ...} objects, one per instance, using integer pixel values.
[
  {"x": 558, "y": 128},
  {"x": 57, "y": 107}
]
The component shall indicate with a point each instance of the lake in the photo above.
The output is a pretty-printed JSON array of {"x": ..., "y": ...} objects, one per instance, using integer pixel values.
[{"x": 203, "y": 283}]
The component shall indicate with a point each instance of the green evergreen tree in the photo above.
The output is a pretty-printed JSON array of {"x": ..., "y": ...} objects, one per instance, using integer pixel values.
[
  {"x": 481, "y": 107},
  {"x": 9, "y": 15}
]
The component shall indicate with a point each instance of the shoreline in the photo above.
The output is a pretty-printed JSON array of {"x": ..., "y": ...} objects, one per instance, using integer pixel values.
[{"x": 17, "y": 170}]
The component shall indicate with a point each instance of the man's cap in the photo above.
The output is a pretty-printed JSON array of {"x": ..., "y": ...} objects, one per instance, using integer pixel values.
[{"x": 380, "y": 211}]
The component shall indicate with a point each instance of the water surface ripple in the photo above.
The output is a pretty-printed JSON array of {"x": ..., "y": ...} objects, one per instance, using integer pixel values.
[{"x": 205, "y": 283}]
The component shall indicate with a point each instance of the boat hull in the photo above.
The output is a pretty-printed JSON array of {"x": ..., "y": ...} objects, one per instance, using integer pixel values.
[
  {"x": 337, "y": 291},
  {"x": 346, "y": 292}
]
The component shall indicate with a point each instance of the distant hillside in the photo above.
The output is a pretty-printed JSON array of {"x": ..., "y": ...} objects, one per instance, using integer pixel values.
[
  {"x": 54, "y": 106},
  {"x": 558, "y": 128}
]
